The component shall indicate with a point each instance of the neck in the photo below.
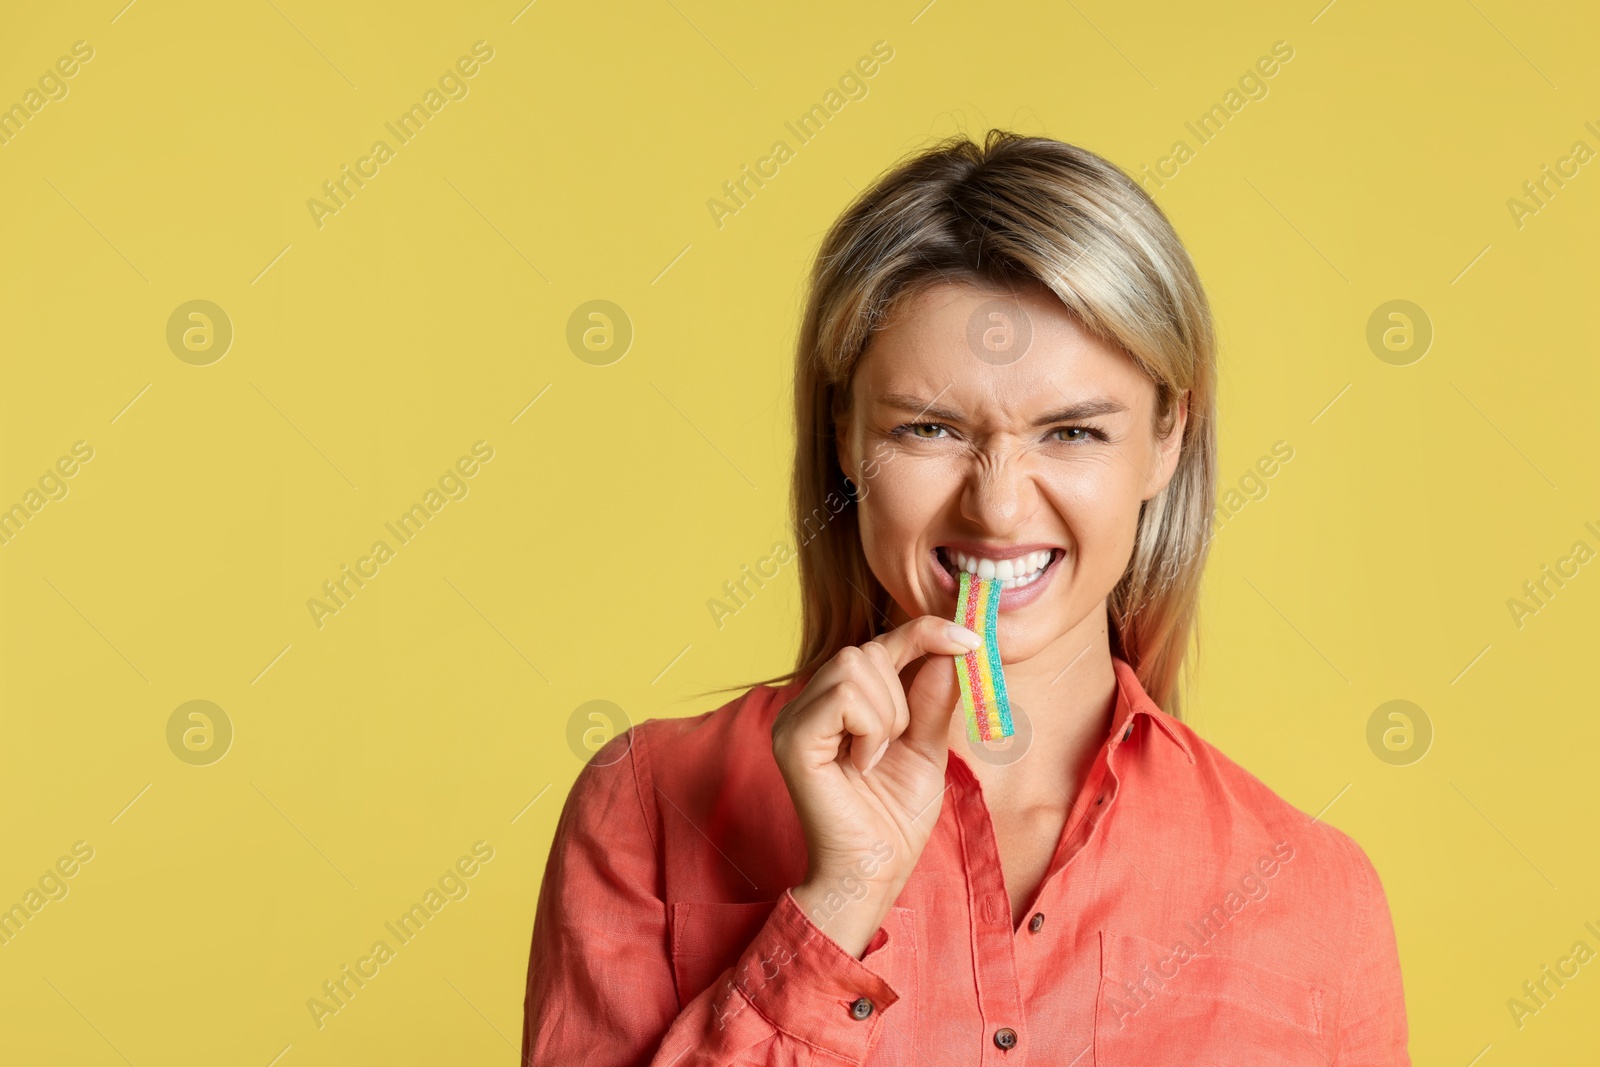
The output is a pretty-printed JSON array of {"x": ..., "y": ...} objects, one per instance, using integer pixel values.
[{"x": 1067, "y": 695}]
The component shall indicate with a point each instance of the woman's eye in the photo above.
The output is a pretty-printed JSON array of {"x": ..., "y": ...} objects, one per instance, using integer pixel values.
[{"x": 928, "y": 430}]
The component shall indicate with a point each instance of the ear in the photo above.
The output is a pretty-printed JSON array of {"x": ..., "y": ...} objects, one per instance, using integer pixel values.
[{"x": 1168, "y": 449}]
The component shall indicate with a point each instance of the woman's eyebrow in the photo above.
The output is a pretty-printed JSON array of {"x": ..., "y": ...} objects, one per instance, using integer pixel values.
[
  {"x": 918, "y": 406},
  {"x": 1083, "y": 409}
]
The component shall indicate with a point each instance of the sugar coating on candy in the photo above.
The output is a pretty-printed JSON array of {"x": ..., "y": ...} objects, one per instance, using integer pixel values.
[{"x": 978, "y": 673}]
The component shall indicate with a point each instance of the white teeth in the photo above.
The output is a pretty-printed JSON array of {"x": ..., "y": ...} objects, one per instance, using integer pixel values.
[{"x": 1011, "y": 573}]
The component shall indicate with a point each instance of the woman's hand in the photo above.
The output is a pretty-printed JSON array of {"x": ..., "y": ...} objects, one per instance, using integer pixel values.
[{"x": 864, "y": 761}]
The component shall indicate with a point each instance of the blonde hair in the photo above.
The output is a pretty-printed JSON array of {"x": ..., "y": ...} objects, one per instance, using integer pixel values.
[{"x": 1015, "y": 211}]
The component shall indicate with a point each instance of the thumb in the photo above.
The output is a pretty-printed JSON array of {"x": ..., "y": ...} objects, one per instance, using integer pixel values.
[{"x": 931, "y": 700}]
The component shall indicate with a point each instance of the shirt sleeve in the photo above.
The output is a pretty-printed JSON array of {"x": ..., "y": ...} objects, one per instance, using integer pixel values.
[
  {"x": 600, "y": 980},
  {"x": 1372, "y": 1015}
]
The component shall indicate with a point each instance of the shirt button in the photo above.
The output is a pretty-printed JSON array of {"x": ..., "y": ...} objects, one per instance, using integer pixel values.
[
  {"x": 861, "y": 1008},
  {"x": 1099, "y": 800},
  {"x": 1005, "y": 1037},
  {"x": 1037, "y": 922}
]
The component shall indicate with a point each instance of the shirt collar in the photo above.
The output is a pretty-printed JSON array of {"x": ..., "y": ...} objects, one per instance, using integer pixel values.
[{"x": 1132, "y": 700}]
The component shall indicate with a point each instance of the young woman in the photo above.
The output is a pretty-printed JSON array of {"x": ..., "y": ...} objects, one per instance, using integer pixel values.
[{"x": 1007, "y": 366}]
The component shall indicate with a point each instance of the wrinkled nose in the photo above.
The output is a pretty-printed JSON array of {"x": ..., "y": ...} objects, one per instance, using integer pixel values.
[{"x": 999, "y": 495}]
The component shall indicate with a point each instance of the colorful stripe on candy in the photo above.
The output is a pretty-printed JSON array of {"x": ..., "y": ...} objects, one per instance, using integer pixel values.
[
  {"x": 968, "y": 670},
  {"x": 1001, "y": 703},
  {"x": 979, "y": 674},
  {"x": 987, "y": 595}
]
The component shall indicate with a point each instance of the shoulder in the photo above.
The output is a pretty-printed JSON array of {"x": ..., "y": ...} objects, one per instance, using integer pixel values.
[
  {"x": 753, "y": 709},
  {"x": 1199, "y": 794},
  {"x": 693, "y": 755},
  {"x": 701, "y": 799},
  {"x": 1233, "y": 795},
  {"x": 696, "y": 743}
]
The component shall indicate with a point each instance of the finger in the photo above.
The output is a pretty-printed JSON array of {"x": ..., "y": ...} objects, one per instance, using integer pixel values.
[
  {"x": 863, "y": 665},
  {"x": 859, "y": 667},
  {"x": 848, "y": 709},
  {"x": 863, "y": 718},
  {"x": 932, "y": 699},
  {"x": 927, "y": 635},
  {"x": 819, "y": 685},
  {"x": 880, "y": 658},
  {"x": 859, "y": 663}
]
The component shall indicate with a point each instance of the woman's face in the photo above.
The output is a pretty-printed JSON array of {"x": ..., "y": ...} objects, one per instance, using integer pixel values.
[{"x": 989, "y": 432}]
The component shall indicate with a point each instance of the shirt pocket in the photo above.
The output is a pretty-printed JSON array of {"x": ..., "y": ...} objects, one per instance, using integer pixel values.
[
  {"x": 1156, "y": 1006},
  {"x": 708, "y": 937}
]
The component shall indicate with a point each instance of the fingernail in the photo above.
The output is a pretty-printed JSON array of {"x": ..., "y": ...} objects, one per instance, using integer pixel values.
[
  {"x": 963, "y": 636},
  {"x": 878, "y": 755}
]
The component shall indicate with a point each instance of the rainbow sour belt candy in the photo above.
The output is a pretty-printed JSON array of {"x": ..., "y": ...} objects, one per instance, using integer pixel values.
[{"x": 978, "y": 673}]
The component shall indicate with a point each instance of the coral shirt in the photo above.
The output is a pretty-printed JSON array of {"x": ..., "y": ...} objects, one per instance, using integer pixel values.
[{"x": 1188, "y": 916}]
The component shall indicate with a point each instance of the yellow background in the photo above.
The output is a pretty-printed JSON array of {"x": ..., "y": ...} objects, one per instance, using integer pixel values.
[{"x": 370, "y": 353}]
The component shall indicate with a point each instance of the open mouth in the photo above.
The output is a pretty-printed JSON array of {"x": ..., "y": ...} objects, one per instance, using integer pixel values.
[{"x": 1013, "y": 573}]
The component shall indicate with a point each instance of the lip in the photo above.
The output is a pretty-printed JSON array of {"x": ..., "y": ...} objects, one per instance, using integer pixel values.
[{"x": 1010, "y": 599}]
